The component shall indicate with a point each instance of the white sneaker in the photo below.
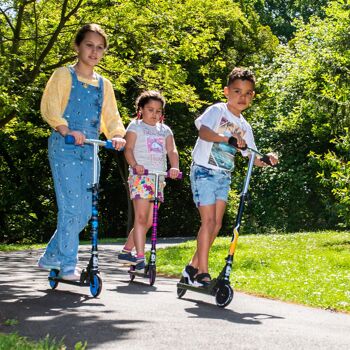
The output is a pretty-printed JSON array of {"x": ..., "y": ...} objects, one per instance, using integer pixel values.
[{"x": 71, "y": 276}]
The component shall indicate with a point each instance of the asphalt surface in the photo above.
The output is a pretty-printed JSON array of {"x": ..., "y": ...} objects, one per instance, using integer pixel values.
[{"x": 137, "y": 316}]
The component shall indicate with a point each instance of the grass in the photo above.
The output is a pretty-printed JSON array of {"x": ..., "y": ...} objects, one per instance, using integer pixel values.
[
  {"x": 15, "y": 342},
  {"x": 310, "y": 268},
  {"x": 31, "y": 246}
]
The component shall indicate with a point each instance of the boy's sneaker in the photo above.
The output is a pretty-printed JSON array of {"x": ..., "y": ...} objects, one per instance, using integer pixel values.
[
  {"x": 126, "y": 258},
  {"x": 140, "y": 266},
  {"x": 48, "y": 264},
  {"x": 189, "y": 272},
  {"x": 202, "y": 280}
]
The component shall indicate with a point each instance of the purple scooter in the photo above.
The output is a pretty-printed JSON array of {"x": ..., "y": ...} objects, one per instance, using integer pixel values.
[{"x": 150, "y": 269}]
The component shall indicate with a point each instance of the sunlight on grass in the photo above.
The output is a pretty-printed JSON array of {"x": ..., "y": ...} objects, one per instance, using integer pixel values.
[
  {"x": 14, "y": 341},
  {"x": 16, "y": 247},
  {"x": 307, "y": 268}
]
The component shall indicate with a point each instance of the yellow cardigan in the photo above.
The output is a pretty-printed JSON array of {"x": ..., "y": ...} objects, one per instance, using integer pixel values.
[{"x": 56, "y": 95}]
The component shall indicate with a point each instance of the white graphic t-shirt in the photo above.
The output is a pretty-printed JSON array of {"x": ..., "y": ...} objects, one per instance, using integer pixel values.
[
  {"x": 215, "y": 155},
  {"x": 150, "y": 146}
]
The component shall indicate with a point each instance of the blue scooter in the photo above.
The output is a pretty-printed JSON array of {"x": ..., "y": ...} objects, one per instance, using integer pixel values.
[{"x": 89, "y": 277}]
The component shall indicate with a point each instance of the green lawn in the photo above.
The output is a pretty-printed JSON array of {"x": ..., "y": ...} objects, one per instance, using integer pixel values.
[
  {"x": 15, "y": 247},
  {"x": 15, "y": 342},
  {"x": 307, "y": 268}
]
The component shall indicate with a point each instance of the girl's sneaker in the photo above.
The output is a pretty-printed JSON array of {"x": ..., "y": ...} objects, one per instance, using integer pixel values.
[
  {"x": 189, "y": 272},
  {"x": 71, "y": 275},
  {"x": 126, "y": 258},
  {"x": 48, "y": 264},
  {"x": 140, "y": 266}
]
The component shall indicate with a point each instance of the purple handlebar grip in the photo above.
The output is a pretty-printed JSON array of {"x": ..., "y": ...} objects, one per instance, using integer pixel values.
[
  {"x": 179, "y": 176},
  {"x": 145, "y": 171}
]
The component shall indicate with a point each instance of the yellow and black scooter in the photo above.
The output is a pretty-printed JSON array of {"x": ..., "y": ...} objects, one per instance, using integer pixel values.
[{"x": 220, "y": 287}]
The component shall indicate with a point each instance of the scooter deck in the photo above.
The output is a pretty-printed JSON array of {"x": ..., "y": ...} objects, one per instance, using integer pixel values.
[
  {"x": 84, "y": 280},
  {"x": 210, "y": 290},
  {"x": 139, "y": 274},
  {"x": 145, "y": 274},
  {"x": 75, "y": 283}
]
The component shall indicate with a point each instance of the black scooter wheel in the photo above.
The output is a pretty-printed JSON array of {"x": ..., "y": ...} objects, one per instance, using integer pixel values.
[
  {"x": 224, "y": 295},
  {"x": 95, "y": 285},
  {"x": 152, "y": 275},
  {"x": 180, "y": 291},
  {"x": 53, "y": 274},
  {"x": 132, "y": 276},
  {"x": 84, "y": 276}
]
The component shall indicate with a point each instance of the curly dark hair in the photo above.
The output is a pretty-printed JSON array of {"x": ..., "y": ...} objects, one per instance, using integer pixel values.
[
  {"x": 147, "y": 96},
  {"x": 242, "y": 74}
]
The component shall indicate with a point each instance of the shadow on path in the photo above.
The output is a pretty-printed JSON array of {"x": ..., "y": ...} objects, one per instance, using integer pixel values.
[
  {"x": 211, "y": 311},
  {"x": 70, "y": 315}
]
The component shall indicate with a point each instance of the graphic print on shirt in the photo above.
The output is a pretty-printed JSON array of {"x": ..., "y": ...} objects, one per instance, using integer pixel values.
[
  {"x": 155, "y": 146},
  {"x": 222, "y": 154}
]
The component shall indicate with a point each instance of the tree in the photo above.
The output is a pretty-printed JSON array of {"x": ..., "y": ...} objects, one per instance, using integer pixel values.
[
  {"x": 281, "y": 15},
  {"x": 305, "y": 107},
  {"x": 183, "y": 48}
]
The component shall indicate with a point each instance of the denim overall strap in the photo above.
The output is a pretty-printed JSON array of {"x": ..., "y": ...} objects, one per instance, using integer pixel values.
[{"x": 72, "y": 168}]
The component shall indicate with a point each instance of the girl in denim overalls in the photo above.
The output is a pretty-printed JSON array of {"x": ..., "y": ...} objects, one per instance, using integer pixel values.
[{"x": 77, "y": 102}]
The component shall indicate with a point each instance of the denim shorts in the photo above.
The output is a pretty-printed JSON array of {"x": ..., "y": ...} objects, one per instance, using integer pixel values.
[{"x": 209, "y": 185}]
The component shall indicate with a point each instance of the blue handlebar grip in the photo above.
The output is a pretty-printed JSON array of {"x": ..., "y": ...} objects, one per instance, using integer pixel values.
[
  {"x": 69, "y": 139},
  {"x": 109, "y": 144}
]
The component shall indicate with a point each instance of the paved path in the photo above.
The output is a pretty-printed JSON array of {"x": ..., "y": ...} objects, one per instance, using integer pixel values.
[{"x": 137, "y": 316}]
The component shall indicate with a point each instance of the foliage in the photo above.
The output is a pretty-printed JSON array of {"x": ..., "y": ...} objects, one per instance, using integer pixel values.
[
  {"x": 310, "y": 268},
  {"x": 303, "y": 105},
  {"x": 281, "y": 15},
  {"x": 335, "y": 175},
  {"x": 183, "y": 48}
]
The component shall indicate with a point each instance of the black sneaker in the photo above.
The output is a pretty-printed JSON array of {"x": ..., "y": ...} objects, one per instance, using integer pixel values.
[
  {"x": 202, "y": 280},
  {"x": 189, "y": 272}
]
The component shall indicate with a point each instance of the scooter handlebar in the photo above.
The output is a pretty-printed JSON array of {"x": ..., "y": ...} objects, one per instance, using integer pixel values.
[
  {"x": 70, "y": 140},
  {"x": 166, "y": 174},
  {"x": 233, "y": 142},
  {"x": 266, "y": 159}
]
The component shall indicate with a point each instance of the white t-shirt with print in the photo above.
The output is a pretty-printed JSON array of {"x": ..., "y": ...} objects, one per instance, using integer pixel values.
[
  {"x": 150, "y": 146},
  {"x": 216, "y": 155}
]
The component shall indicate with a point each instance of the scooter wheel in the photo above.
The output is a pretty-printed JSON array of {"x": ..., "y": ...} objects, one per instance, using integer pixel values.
[
  {"x": 152, "y": 275},
  {"x": 84, "y": 276},
  {"x": 180, "y": 291},
  {"x": 96, "y": 285},
  {"x": 132, "y": 276},
  {"x": 53, "y": 274},
  {"x": 224, "y": 295}
]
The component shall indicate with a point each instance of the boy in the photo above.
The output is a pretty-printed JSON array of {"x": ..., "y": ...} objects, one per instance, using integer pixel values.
[{"x": 213, "y": 162}]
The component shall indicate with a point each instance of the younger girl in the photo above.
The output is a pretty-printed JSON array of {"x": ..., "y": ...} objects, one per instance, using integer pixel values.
[
  {"x": 78, "y": 102},
  {"x": 148, "y": 143}
]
